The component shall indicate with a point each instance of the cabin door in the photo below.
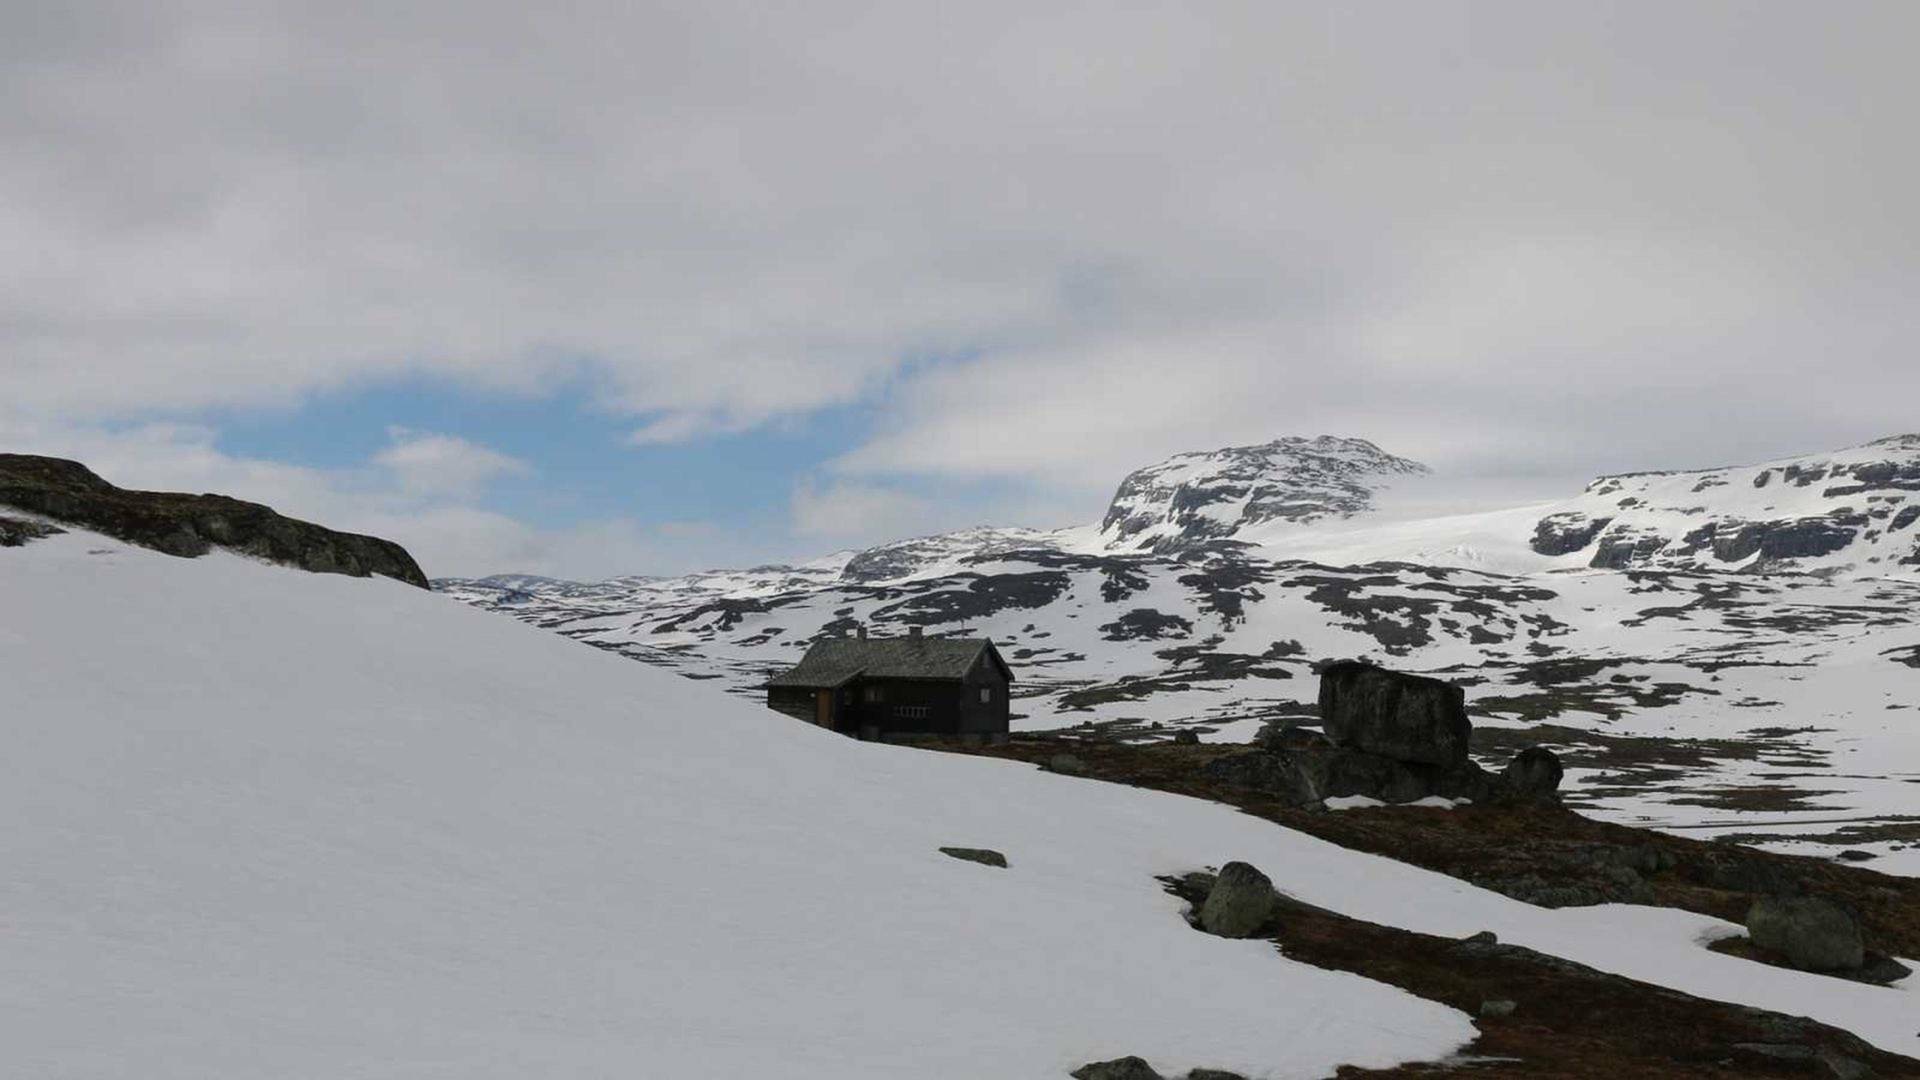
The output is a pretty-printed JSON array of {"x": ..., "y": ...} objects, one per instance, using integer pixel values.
[{"x": 823, "y": 708}]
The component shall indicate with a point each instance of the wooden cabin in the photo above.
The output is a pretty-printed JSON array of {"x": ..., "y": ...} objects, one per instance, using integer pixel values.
[{"x": 898, "y": 688}]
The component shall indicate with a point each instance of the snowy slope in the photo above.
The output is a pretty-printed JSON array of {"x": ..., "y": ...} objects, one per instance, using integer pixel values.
[{"x": 261, "y": 823}]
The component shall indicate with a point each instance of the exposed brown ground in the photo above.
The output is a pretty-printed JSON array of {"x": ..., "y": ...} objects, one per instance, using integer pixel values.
[{"x": 1572, "y": 1021}]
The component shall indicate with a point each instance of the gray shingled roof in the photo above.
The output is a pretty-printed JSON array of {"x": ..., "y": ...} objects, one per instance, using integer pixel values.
[{"x": 833, "y": 661}]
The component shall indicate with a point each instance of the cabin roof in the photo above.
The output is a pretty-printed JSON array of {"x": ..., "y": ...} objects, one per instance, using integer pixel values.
[{"x": 833, "y": 662}]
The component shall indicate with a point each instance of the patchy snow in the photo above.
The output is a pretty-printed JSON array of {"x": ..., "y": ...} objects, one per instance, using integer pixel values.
[{"x": 268, "y": 823}]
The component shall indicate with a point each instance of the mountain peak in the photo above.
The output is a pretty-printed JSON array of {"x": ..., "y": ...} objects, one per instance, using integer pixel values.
[{"x": 1200, "y": 496}]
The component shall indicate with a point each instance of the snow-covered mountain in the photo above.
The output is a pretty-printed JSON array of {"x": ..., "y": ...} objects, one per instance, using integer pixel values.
[
  {"x": 1195, "y": 498},
  {"x": 1855, "y": 510},
  {"x": 1763, "y": 633}
]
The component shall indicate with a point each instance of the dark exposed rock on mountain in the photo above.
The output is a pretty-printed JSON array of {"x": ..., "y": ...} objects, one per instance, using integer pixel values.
[
  {"x": 1849, "y": 508},
  {"x": 192, "y": 525},
  {"x": 1811, "y": 932},
  {"x": 1408, "y": 718},
  {"x": 1566, "y": 533},
  {"x": 907, "y": 558},
  {"x": 1191, "y": 499}
]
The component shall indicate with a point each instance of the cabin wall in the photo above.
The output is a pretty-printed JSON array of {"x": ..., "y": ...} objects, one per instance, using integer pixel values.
[
  {"x": 900, "y": 699},
  {"x": 990, "y": 717},
  {"x": 795, "y": 701}
]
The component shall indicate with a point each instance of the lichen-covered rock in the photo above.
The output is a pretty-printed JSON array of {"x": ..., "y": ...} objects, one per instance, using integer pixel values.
[
  {"x": 1534, "y": 773},
  {"x": 984, "y": 856},
  {"x": 192, "y": 525},
  {"x": 1241, "y": 901},
  {"x": 1811, "y": 932},
  {"x": 1066, "y": 765},
  {"x": 1408, "y": 718},
  {"x": 15, "y": 532}
]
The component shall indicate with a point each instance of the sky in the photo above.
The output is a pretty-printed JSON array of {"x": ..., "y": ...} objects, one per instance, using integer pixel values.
[{"x": 644, "y": 287}]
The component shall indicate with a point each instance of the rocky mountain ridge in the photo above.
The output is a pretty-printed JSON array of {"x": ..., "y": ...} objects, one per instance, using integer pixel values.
[
  {"x": 1858, "y": 509},
  {"x": 191, "y": 525},
  {"x": 1194, "y": 498}
]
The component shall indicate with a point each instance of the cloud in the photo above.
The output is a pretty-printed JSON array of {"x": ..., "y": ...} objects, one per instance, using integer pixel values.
[
  {"x": 862, "y": 513},
  {"x": 429, "y": 466},
  {"x": 1055, "y": 241},
  {"x": 424, "y": 490}
]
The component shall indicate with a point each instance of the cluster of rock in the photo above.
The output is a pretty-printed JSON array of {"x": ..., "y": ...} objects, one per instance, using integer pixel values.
[
  {"x": 15, "y": 532},
  {"x": 192, "y": 525},
  {"x": 1133, "y": 1068},
  {"x": 1389, "y": 736}
]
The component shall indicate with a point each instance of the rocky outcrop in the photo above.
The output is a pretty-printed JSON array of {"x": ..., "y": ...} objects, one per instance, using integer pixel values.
[
  {"x": 1566, "y": 533},
  {"x": 1408, "y": 718},
  {"x": 192, "y": 525},
  {"x": 1240, "y": 903},
  {"x": 1393, "y": 737},
  {"x": 17, "y": 531},
  {"x": 1126, "y": 1068}
]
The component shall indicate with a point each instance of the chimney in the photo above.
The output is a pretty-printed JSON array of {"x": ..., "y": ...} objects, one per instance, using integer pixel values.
[
  {"x": 913, "y": 631},
  {"x": 862, "y": 632}
]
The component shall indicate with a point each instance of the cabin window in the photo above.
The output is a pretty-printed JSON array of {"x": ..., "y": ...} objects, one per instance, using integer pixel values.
[
  {"x": 986, "y": 694},
  {"x": 876, "y": 693},
  {"x": 912, "y": 712}
]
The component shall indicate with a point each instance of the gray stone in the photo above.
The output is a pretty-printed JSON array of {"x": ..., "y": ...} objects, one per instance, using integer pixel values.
[
  {"x": 1498, "y": 1007},
  {"x": 1408, "y": 718},
  {"x": 1883, "y": 969},
  {"x": 1534, "y": 773},
  {"x": 984, "y": 856},
  {"x": 1241, "y": 901},
  {"x": 1213, "y": 1074},
  {"x": 1126, "y": 1068},
  {"x": 1186, "y": 737},
  {"x": 1484, "y": 937},
  {"x": 1811, "y": 932},
  {"x": 1066, "y": 765}
]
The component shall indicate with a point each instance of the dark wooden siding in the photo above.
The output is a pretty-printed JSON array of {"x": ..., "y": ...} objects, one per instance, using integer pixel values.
[{"x": 909, "y": 706}]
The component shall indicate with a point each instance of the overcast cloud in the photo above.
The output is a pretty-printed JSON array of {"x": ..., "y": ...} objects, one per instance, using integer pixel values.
[{"x": 1507, "y": 239}]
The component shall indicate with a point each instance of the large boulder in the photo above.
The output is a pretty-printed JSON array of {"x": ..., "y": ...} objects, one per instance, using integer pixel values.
[
  {"x": 1408, "y": 718},
  {"x": 1811, "y": 932},
  {"x": 1126, "y": 1068},
  {"x": 1534, "y": 773},
  {"x": 1241, "y": 901}
]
